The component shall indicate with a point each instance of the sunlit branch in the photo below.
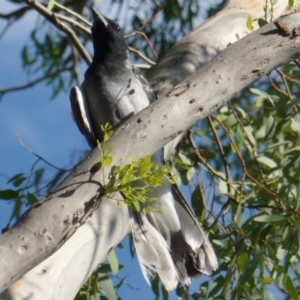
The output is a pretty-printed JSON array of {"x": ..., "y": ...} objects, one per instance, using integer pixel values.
[
  {"x": 52, "y": 18},
  {"x": 71, "y": 12},
  {"x": 142, "y": 56},
  {"x": 146, "y": 39},
  {"x": 73, "y": 23}
]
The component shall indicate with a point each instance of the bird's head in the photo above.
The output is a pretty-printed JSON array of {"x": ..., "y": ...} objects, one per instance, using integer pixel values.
[{"x": 107, "y": 37}]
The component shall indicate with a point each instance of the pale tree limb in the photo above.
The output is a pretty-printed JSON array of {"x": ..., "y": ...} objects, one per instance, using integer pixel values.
[
  {"x": 72, "y": 13},
  {"x": 50, "y": 223},
  {"x": 203, "y": 43},
  {"x": 74, "y": 23}
]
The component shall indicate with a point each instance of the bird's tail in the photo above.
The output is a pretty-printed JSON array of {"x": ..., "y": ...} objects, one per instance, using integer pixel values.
[{"x": 172, "y": 242}]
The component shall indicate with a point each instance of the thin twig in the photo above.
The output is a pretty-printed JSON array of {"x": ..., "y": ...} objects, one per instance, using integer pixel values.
[
  {"x": 257, "y": 206},
  {"x": 154, "y": 15},
  {"x": 142, "y": 56},
  {"x": 202, "y": 159},
  {"x": 52, "y": 18},
  {"x": 142, "y": 67},
  {"x": 12, "y": 17},
  {"x": 38, "y": 156},
  {"x": 16, "y": 14},
  {"x": 223, "y": 155},
  {"x": 71, "y": 12},
  {"x": 73, "y": 23},
  {"x": 146, "y": 39},
  {"x": 284, "y": 77},
  {"x": 276, "y": 87},
  {"x": 248, "y": 138},
  {"x": 75, "y": 66},
  {"x": 266, "y": 189},
  {"x": 288, "y": 77},
  {"x": 32, "y": 83}
]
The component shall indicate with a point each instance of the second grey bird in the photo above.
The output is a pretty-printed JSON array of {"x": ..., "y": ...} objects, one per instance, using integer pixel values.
[{"x": 172, "y": 243}]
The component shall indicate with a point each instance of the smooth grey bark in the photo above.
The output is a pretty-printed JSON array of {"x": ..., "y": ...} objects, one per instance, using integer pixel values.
[{"x": 71, "y": 205}]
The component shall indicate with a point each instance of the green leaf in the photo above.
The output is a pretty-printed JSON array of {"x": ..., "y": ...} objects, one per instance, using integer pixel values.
[
  {"x": 113, "y": 261},
  {"x": 107, "y": 161},
  {"x": 8, "y": 194},
  {"x": 223, "y": 187},
  {"x": 108, "y": 132},
  {"x": 251, "y": 266},
  {"x": 15, "y": 177},
  {"x": 267, "y": 280},
  {"x": 185, "y": 159},
  {"x": 292, "y": 103},
  {"x": 109, "y": 148},
  {"x": 50, "y": 4},
  {"x": 218, "y": 284},
  {"x": 262, "y": 22},
  {"x": 135, "y": 206},
  {"x": 155, "y": 286},
  {"x": 267, "y": 161},
  {"x": 165, "y": 293},
  {"x": 19, "y": 181},
  {"x": 107, "y": 287},
  {"x": 242, "y": 262},
  {"x": 290, "y": 288},
  {"x": 242, "y": 112},
  {"x": 295, "y": 126},
  {"x": 270, "y": 218},
  {"x": 190, "y": 173},
  {"x": 145, "y": 165},
  {"x": 31, "y": 199},
  {"x": 262, "y": 95},
  {"x": 249, "y": 23},
  {"x": 249, "y": 131}
]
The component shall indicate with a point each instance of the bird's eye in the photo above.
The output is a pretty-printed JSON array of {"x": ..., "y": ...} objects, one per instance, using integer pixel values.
[{"x": 118, "y": 28}]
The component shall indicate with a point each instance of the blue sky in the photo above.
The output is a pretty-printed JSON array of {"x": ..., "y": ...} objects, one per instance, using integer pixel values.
[{"x": 46, "y": 127}]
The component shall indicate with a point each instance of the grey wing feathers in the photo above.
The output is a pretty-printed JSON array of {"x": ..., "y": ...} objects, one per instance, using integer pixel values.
[{"x": 146, "y": 86}]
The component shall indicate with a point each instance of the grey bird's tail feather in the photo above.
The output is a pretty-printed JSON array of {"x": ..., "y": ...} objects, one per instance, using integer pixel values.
[
  {"x": 171, "y": 241},
  {"x": 152, "y": 251}
]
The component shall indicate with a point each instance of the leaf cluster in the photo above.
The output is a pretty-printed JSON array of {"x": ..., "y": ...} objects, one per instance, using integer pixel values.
[{"x": 134, "y": 181}]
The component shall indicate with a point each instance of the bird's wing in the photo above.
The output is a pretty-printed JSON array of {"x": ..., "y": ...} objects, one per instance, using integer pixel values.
[
  {"x": 81, "y": 115},
  {"x": 150, "y": 93}
]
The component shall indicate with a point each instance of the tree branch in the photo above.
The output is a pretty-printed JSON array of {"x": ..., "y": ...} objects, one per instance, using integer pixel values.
[
  {"x": 16, "y": 14},
  {"x": 31, "y": 83},
  {"x": 53, "y": 19}
]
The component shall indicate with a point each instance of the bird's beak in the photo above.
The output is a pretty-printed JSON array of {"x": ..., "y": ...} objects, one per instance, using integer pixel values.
[{"x": 98, "y": 17}]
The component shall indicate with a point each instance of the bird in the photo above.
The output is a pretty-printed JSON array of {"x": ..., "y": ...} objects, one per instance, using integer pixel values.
[{"x": 172, "y": 243}]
